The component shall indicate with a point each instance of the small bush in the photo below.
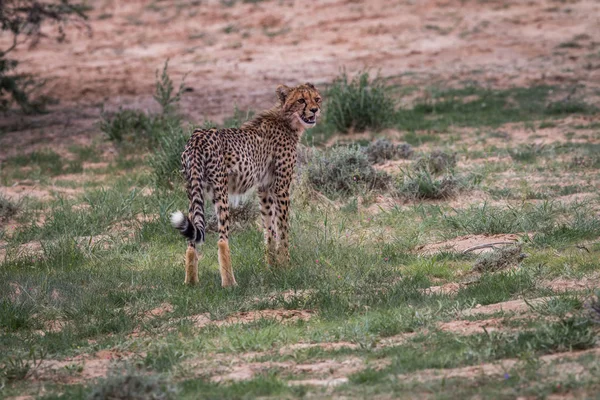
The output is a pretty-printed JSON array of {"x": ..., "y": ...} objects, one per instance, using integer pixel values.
[
  {"x": 131, "y": 387},
  {"x": 382, "y": 150},
  {"x": 420, "y": 184},
  {"x": 422, "y": 180},
  {"x": 436, "y": 162},
  {"x": 499, "y": 259},
  {"x": 358, "y": 104},
  {"x": 343, "y": 170},
  {"x": 125, "y": 125}
]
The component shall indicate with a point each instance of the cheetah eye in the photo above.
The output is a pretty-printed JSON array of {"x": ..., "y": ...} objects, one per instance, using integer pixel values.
[
  {"x": 301, "y": 101},
  {"x": 318, "y": 99}
]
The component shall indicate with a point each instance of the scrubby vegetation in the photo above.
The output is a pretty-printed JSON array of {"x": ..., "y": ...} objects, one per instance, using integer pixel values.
[
  {"x": 382, "y": 150},
  {"x": 343, "y": 171},
  {"x": 375, "y": 296}
]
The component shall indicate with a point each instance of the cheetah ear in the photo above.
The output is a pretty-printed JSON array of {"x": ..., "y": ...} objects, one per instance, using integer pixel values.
[
  {"x": 282, "y": 93},
  {"x": 310, "y": 85}
]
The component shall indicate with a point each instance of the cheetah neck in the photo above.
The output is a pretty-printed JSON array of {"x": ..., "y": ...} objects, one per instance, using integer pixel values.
[{"x": 275, "y": 118}]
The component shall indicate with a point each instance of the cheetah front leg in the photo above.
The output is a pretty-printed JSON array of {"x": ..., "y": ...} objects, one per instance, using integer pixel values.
[
  {"x": 221, "y": 202},
  {"x": 282, "y": 204},
  {"x": 267, "y": 209}
]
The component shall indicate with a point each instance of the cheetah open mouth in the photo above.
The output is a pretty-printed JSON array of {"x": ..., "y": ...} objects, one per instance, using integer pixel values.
[{"x": 309, "y": 120}]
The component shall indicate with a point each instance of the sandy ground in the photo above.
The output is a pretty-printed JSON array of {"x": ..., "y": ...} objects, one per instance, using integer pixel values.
[{"x": 237, "y": 55}]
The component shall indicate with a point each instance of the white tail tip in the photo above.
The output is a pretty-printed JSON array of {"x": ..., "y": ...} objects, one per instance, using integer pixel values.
[{"x": 177, "y": 219}]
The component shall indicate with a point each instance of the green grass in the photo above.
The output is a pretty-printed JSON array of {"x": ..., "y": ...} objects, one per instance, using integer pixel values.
[{"x": 88, "y": 272}]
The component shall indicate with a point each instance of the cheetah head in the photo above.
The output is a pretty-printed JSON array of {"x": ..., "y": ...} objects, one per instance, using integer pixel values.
[{"x": 300, "y": 104}]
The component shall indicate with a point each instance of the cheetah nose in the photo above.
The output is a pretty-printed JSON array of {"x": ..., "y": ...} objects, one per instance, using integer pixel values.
[{"x": 314, "y": 109}]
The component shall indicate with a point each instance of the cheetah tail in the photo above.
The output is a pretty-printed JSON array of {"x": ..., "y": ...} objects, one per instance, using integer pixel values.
[{"x": 184, "y": 225}]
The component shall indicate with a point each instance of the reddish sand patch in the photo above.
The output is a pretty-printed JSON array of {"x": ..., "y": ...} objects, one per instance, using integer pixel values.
[
  {"x": 564, "y": 284},
  {"x": 163, "y": 309}
]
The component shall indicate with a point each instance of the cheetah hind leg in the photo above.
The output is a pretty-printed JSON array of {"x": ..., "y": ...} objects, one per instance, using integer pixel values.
[
  {"x": 191, "y": 266},
  {"x": 227, "y": 277}
]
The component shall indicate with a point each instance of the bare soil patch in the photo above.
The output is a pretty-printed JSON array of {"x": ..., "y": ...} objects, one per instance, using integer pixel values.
[{"x": 564, "y": 284}]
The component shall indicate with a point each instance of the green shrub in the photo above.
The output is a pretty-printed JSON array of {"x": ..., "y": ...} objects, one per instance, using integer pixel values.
[
  {"x": 343, "y": 170},
  {"x": 125, "y": 125},
  {"x": 358, "y": 104},
  {"x": 420, "y": 184},
  {"x": 382, "y": 150},
  {"x": 423, "y": 181}
]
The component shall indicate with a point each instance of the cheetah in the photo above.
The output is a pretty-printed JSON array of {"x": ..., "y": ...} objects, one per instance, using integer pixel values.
[{"x": 227, "y": 162}]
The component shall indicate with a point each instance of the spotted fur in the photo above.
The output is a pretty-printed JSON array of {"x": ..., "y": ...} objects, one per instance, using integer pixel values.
[{"x": 226, "y": 162}]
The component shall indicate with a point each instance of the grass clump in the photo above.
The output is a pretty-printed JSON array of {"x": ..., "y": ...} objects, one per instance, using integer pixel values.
[
  {"x": 19, "y": 367},
  {"x": 132, "y": 386},
  {"x": 499, "y": 259},
  {"x": 382, "y": 150},
  {"x": 358, "y": 104},
  {"x": 343, "y": 170}
]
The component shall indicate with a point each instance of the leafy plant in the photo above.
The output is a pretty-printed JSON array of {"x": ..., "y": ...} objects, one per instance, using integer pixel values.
[
  {"x": 165, "y": 94},
  {"x": 358, "y": 104}
]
